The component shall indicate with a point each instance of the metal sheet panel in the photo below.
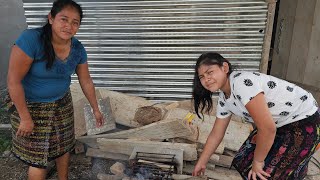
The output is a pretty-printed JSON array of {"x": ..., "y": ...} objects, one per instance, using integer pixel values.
[{"x": 149, "y": 48}]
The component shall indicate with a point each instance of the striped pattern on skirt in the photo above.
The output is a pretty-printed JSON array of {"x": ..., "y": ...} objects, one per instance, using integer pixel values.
[{"x": 53, "y": 133}]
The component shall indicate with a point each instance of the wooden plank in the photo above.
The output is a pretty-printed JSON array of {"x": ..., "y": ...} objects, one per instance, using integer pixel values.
[
  {"x": 186, "y": 177},
  {"x": 181, "y": 114},
  {"x": 236, "y": 133},
  {"x": 157, "y": 164},
  {"x": 229, "y": 152},
  {"x": 214, "y": 157},
  {"x": 218, "y": 173},
  {"x": 126, "y": 146},
  {"x": 91, "y": 152},
  {"x": 222, "y": 160},
  {"x": 219, "y": 150},
  {"x": 5, "y": 126},
  {"x": 210, "y": 166},
  {"x": 124, "y": 106},
  {"x": 158, "y": 130}
]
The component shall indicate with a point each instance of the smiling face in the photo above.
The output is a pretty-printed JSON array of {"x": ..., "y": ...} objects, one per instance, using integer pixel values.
[
  {"x": 213, "y": 77},
  {"x": 65, "y": 24}
]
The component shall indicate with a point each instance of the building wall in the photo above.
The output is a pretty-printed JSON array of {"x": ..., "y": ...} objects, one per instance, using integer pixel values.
[
  {"x": 13, "y": 22},
  {"x": 296, "y": 56},
  {"x": 149, "y": 48},
  {"x": 168, "y": 71},
  {"x": 312, "y": 70}
]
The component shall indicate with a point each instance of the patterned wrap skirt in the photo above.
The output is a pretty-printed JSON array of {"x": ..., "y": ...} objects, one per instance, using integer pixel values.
[
  {"x": 290, "y": 153},
  {"x": 53, "y": 133}
]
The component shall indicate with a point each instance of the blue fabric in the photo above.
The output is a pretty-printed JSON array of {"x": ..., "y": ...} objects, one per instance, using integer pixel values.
[{"x": 47, "y": 85}]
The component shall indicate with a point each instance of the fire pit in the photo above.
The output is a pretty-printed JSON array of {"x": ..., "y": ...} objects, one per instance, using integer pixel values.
[{"x": 153, "y": 165}]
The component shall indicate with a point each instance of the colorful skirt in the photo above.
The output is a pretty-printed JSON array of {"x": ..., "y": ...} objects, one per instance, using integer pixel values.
[
  {"x": 53, "y": 133},
  {"x": 290, "y": 153}
]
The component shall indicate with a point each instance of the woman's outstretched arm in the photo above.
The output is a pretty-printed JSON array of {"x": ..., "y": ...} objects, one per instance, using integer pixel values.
[
  {"x": 89, "y": 91},
  {"x": 214, "y": 139}
]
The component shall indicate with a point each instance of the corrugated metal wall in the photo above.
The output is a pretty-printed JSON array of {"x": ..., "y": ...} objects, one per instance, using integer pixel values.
[{"x": 148, "y": 48}]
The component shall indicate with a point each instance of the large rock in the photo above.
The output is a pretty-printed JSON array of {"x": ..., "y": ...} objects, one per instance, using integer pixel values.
[{"x": 124, "y": 106}]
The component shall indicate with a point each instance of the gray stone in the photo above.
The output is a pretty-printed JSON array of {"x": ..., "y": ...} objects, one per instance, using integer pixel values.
[
  {"x": 105, "y": 108},
  {"x": 6, "y": 153}
]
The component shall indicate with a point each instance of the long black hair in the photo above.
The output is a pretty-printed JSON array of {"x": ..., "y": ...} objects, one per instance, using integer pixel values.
[
  {"x": 202, "y": 98},
  {"x": 57, "y": 6}
]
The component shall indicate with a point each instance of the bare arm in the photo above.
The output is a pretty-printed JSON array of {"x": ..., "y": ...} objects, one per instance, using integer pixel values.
[
  {"x": 262, "y": 117},
  {"x": 214, "y": 139},
  {"x": 19, "y": 65},
  {"x": 89, "y": 90},
  {"x": 87, "y": 85}
]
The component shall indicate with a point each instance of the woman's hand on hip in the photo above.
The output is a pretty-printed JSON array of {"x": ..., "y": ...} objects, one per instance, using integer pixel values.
[
  {"x": 257, "y": 170},
  {"x": 99, "y": 118},
  {"x": 25, "y": 127}
]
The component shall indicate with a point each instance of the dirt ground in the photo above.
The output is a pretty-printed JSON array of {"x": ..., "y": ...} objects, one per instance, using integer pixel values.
[{"x": 81, "y": 168}]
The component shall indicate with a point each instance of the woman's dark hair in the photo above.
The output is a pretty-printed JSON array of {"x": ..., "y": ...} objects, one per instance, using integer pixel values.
[
  {"x": 202, "y": 98},
  {"x": 57, "y": 6}
]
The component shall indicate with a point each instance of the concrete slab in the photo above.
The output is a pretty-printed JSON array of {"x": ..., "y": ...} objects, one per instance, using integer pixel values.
[{"x": 105, "y": 108}]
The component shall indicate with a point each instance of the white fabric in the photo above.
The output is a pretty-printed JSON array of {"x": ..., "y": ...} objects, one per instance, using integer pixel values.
[{"x": 287, "y": 102}]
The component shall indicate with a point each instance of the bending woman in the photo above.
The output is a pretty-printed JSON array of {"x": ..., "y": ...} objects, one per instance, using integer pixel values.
[{"x": 286, "y": 117}]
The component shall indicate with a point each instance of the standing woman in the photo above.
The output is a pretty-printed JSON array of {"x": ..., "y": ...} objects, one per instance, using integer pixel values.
[
  {"x": 286, "y": 117},
  {"x": 40, "y": 68}
]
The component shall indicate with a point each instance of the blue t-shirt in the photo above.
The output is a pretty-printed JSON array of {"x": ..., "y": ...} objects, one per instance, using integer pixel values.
[{"x": 47, "y": 85}]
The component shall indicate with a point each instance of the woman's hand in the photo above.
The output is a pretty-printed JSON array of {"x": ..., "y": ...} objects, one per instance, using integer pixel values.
[
  {"x": 25, "y": 127},
  {"x": 199, "y": 169},
  {"x": 99, "y": 118},
  {"x": 257, "y": 170}
]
